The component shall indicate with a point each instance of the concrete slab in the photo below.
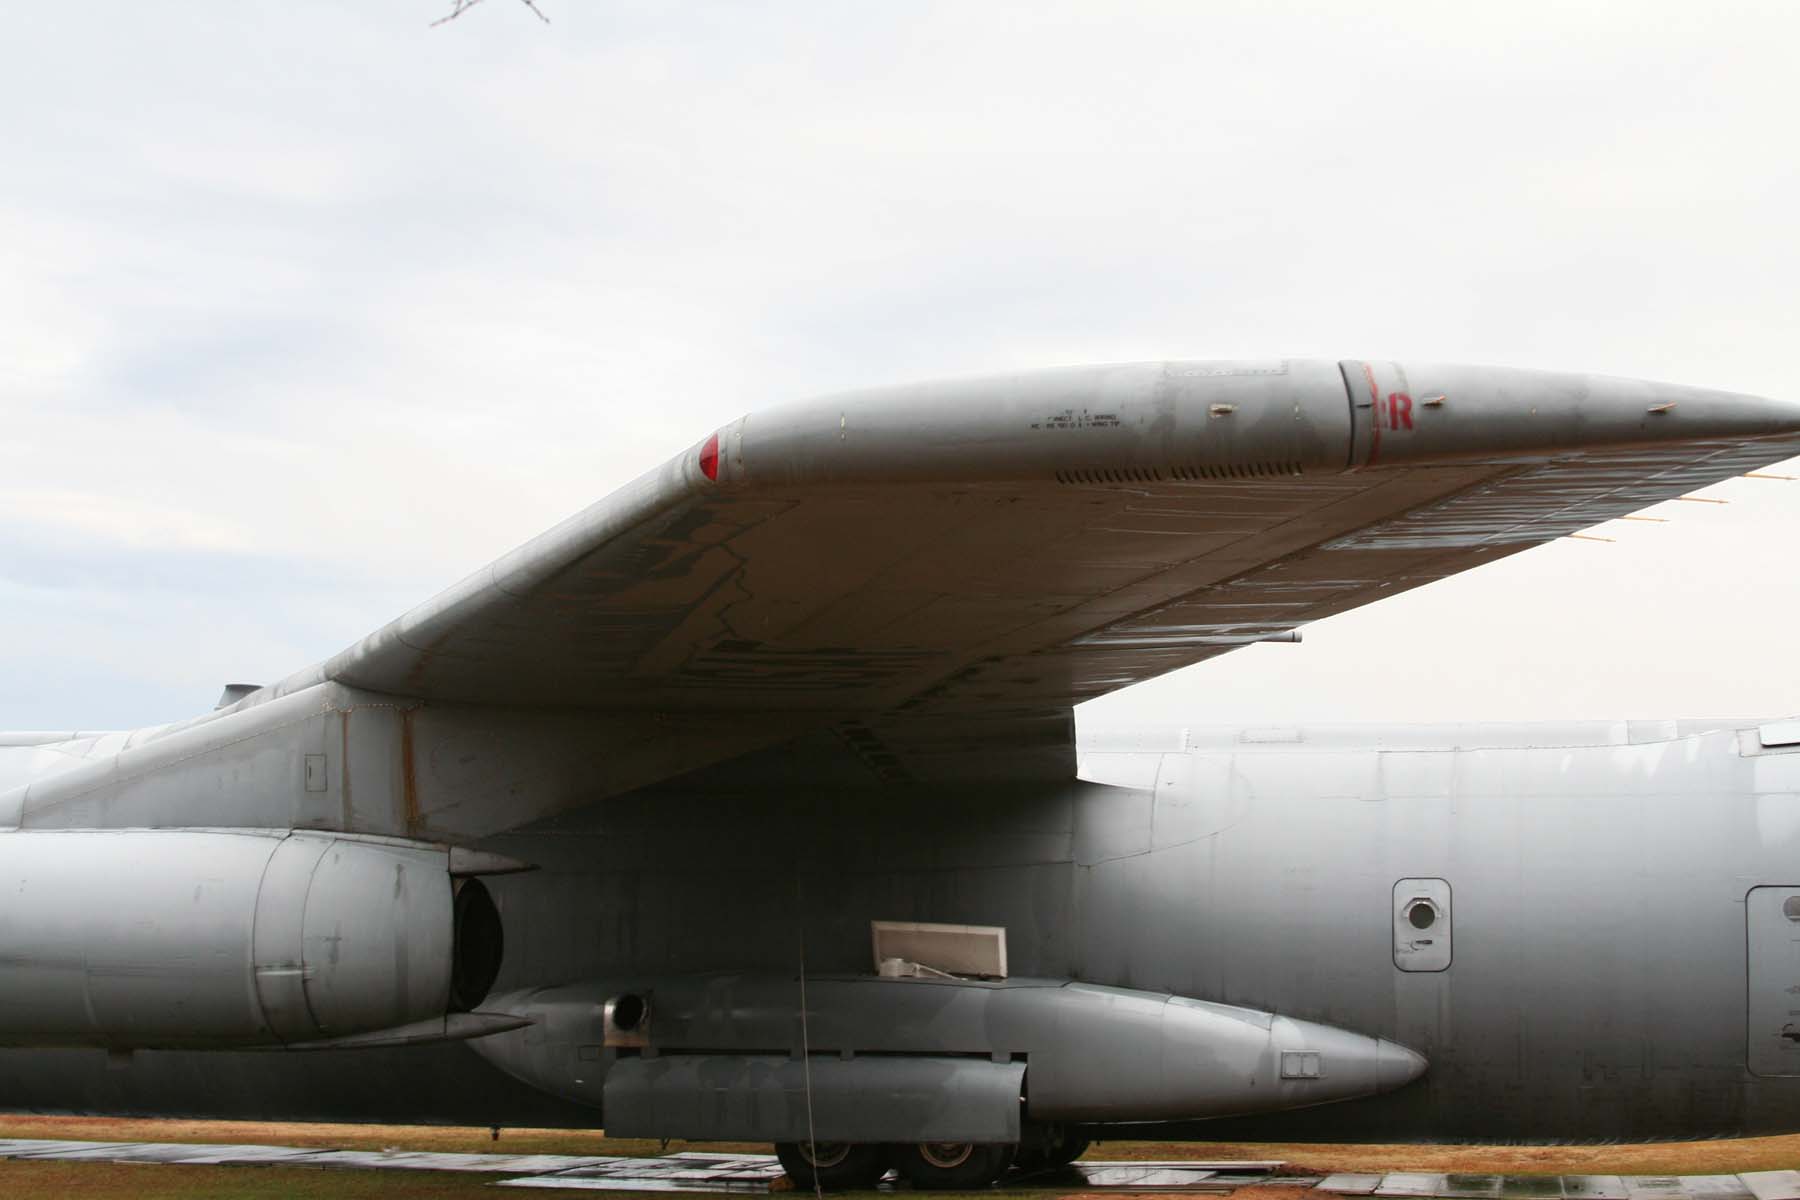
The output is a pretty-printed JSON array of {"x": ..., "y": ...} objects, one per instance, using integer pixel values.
[
  {"x": 1351, "y": 1183},
  {"x": 691, "y": 1171},
  {"x": 1654, "y": 1187},
  {"x": 90, "y": 1152},
  {"x": 1692, "y": 1187},
  {"x": 58, "y": 1149},
  {"x": 1564, "y": 1187},
  {"x": 1772, "y": 1185},
  {"x": 191, "y": 1154},
  {"x": 675, "y": 1174},
  {"x": 608, "y": 1183}
]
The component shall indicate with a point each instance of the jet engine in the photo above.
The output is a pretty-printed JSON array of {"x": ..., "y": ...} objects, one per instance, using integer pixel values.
[{"x": 208, "y": 938}]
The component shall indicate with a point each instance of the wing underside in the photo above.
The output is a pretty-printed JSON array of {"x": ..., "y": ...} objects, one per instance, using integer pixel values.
[{"x": 947, "y": 570}]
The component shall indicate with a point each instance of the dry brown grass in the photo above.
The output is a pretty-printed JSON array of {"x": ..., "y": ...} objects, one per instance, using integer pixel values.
[
  {"x": 1713, "y": 1157},
  {"x": 459, "y": 1139},
  {"x": 31, "y": 1179},
  {"x": 156, "y": 1182}
]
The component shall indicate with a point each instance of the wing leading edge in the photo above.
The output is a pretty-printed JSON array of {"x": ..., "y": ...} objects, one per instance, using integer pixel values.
[{"x": 912, "y": 559}]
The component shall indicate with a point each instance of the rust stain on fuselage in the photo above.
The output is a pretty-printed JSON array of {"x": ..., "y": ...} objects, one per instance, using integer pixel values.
[
  {"x": 409, "y": 775},
  {"x": 344, "y": 766}
]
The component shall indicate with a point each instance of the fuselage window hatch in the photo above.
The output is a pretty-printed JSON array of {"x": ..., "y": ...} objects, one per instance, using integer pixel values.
[{"x": 1422, "y": 927}]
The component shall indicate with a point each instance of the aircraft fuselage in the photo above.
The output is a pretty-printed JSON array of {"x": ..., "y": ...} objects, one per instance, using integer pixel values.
[{"x": 1584, "y": 930}]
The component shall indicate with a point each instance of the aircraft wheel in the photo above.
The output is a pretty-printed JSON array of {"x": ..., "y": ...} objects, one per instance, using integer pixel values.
[
  {"x": 1067, "y": 1148},
  {"x": 950, "y": 1166},
  {"x": 832, "y": 1166},
  {"x": 1050, "y": 1146}
]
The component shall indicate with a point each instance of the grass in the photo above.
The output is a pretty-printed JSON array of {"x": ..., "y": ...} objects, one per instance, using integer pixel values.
[
  {"x": 85, "y": 1179},
  {"x": 1710, "y": 1157},
  {"x": 37, "y": 1178},
  {"x": 153, "y": 1182},
  {"x": 458, "y": 1139}
]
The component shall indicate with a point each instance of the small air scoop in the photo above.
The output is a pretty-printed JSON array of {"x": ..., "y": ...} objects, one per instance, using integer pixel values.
[
  {"x": 910, "y": 949},
  {"x": 234, "y": 692}
]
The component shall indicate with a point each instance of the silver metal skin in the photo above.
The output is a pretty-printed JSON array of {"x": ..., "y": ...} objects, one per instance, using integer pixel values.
[
  {"x": 1095, "y": 1054},
  {"x": 817, "y": 671},
  {"x": 212, "y": 938}
]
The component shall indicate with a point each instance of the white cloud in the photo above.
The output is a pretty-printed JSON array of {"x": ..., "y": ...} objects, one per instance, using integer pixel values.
[{"x": 317, "y": 284}]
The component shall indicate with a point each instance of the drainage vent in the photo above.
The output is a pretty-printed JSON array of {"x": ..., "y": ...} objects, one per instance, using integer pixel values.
[
  {"x": 1258, "y": 470},
  {"x": 1110, "y": 475},
  {"x": 1193, "y": 474}
]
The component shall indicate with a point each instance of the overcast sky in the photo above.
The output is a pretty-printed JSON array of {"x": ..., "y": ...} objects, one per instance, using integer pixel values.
[{"x": 307, "y": 309}]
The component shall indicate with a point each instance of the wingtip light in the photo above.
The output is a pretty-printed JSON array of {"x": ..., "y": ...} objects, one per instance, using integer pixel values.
[{"x": 709, "y": 457}]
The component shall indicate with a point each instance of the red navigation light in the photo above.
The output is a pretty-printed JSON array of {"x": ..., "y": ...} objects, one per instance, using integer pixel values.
[{"x": 709, "y": 457}]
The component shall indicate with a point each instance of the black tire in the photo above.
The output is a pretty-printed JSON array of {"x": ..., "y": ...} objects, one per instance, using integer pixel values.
[
  {"x": 952, "y": 1166},
  {"x": 1048, "y": 1149},
  {"x": 832, "y": 1166}
]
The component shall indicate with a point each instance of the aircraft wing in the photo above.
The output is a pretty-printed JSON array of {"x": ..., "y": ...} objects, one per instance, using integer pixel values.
[{"x": 954, "y": 565}]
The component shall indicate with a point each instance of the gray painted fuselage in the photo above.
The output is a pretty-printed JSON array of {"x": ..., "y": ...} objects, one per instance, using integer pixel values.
[{"x": 1598, "y": 986}]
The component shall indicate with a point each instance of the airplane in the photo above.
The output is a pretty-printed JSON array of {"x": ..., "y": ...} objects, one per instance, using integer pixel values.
[{"x": 746, "y": 805}]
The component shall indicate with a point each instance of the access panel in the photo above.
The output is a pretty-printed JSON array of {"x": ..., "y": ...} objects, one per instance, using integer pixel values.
[
  {"x": 1773, "y": 918},
  {"x": 1422, "y": 925},
  {"x": 769, "y": 1098}
]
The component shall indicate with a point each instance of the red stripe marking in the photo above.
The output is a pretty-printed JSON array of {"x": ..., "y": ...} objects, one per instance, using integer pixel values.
[
  {"x": 709, "y": 457},
  {"x": 1399, "y": 410},
  {"x": 1374, "y": 416}
]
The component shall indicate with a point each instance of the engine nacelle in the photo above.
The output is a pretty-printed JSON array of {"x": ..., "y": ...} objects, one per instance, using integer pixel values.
[{"x": 212, "y": 938}]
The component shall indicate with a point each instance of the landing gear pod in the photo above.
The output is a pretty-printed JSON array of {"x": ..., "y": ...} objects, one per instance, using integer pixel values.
[
  {"x": 954, "y": 1076},
  {"x": 203, "y": 938}
]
